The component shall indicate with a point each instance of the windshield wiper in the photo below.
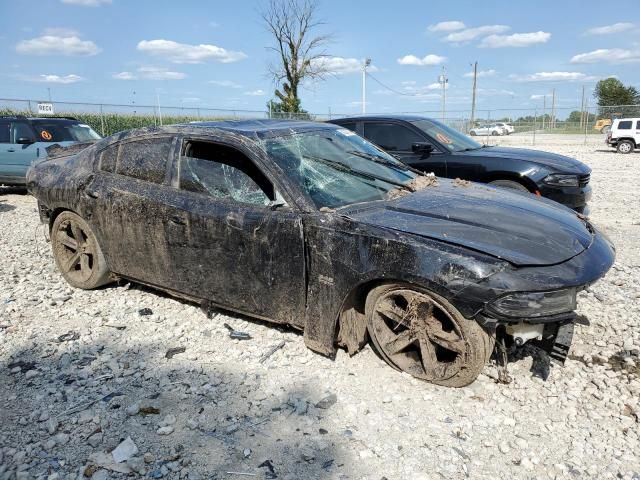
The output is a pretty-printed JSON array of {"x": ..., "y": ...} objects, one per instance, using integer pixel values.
[
  {"x": 399, "y": 167},
  {"x": 346, "y": 168}
]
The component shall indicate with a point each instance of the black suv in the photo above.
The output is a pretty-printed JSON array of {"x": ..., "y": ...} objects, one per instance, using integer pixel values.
[
  {"x": 432, "y": 146},
  {"x": 23, "y": 142}
]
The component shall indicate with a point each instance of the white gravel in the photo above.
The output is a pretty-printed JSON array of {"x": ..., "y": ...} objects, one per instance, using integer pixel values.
[{"x": 216, "y": 409}]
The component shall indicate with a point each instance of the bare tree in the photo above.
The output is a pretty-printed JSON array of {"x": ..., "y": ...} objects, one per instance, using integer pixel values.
[{"x": 300, "y": 54}]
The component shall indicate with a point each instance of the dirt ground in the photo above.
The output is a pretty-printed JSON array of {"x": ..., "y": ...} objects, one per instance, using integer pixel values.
[{"x": 83, "y": 372}]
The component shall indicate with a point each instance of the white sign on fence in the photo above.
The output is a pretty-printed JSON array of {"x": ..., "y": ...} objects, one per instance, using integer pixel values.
[{"x": 45, "y": 108}]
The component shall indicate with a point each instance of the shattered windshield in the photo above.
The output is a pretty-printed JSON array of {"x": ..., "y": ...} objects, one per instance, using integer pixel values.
[
  {"x": 336, "y": 167},
  {"x": 447, "y": 136}
]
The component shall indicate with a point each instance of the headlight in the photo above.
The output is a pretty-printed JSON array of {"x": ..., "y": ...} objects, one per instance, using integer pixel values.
[
  {"x": 535, "y": 304},
  {"x": 562, "y": 180}
]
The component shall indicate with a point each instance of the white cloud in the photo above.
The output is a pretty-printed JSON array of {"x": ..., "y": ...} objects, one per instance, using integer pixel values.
[
  {"x": 123, "y": 76},
  {"x": 342, "y": 65},
  {"x": 87, "y": 3},
  {"x": 538, "y": 97},
  {"x": 606, "y": 55},
  {"x": 473, "y": 33},
  {"x": 424, "y": 61},
  {"x": 495, "y": 92},
  {"x": 64, "y": 79},
  {"x": 225, "y": 83},
  {"x": 608, "y": 29},
  {"x": 516, "y": 40},
  {"x": 255, "y": 93},
  {"x": 185, "y": 53},
  {"x": 481, "y": 73},
  {"x": 150, "y": 73},
  {"x": 70, "y": 45},
  {"x": 450, "y": 26},
  {"x": 552, "y": 77}
]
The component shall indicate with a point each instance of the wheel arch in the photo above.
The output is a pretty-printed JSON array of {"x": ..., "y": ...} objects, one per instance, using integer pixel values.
[
  {"x": 514, "y": 177},
  {"x": 630, "y": 139},
  {"x": 351, "y": 323}
]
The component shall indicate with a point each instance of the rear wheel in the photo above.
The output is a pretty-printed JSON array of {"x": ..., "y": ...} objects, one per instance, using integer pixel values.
[
  {"x": 77, "y": 252},
  {"x": 472, "y": 133},
  {"x": 511, "y": 184},
  {"x": 422, "y": 334},
  {"x": 625, "y": 146}
]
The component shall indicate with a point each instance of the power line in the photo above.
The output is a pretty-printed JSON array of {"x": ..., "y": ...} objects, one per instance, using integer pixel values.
[{"x": 393, "y": 90}]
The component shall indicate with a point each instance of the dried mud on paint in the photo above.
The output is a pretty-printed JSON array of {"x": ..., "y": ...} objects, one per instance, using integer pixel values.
[{"x": 418, "y": 183}]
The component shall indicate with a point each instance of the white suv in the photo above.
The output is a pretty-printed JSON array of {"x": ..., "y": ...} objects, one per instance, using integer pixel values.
[
  {"x": 492, "y": 129},
  {"x": 508, "y": 128},
  {"x": 624, "y": 134}
]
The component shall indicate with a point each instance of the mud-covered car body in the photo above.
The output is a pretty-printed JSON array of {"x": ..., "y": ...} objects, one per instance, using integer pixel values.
[{"x": 293, "y": 261}]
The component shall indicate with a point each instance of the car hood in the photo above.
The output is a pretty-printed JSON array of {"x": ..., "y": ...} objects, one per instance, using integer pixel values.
[
  {"x": 519, "y": 228},
  {"x": 561, "y": 163}
]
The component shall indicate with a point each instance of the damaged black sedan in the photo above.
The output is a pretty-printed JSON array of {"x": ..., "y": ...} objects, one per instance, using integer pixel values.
[{"x": 310, "y": 225}]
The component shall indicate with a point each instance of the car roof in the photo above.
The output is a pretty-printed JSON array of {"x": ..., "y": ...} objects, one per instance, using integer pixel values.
[
  {"x": 258, "y": 127},
  {"x": 407, "y": 117}
]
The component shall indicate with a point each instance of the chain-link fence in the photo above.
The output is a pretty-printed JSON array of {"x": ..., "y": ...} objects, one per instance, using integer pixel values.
[{"x": 571, "y": 125}]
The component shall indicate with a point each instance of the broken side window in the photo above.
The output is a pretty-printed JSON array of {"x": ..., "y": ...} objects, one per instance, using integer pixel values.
[
  {"x": 144, "y": 159},
  {"x": 223, "y": 172}
]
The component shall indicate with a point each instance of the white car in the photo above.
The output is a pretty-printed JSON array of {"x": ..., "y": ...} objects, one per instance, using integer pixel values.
[
  {"x": 624, "y": 134},
  {"x": 508, "y": 128},
  {"x": 492, "y": 129}
]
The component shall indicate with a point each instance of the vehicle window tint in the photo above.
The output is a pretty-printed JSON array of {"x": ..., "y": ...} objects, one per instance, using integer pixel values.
[
  {"x": 63, "y": 131},
  {"x": 20, "y": 130},
  {"x": 223, "y": 172},
  {"x": 390, "y": 136},
  {"x": 625, "y": 125},
  {"x": 144, "y": 159},
  {"x": 108, "y": 158},
  {"x": 351, "y": 126},
  {"x": 638, "y": 125},
  {"x": 4, "y": 132}
]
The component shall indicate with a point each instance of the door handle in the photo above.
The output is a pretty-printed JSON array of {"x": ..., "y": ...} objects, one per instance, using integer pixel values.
[
  {"x": 177, "y": 220},
  {"x": 11, "y": 150},
  {"x": 91, "y": 194}
]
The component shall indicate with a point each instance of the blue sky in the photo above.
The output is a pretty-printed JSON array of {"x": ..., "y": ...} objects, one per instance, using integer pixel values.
[{"x": 213, "y": 54}]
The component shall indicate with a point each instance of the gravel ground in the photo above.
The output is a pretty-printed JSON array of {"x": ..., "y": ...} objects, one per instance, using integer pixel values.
[{"x": 82, "y": 373}]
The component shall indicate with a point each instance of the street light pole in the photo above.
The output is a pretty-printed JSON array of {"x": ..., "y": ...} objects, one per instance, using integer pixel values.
[
  {"x": 443, "y": 80},
  {"x": 365, "y": 64},
  {"x": 473, "y": 98}
]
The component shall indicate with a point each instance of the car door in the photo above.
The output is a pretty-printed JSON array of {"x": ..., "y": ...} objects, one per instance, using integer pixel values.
[
  {"x": 397, "y": 139},
  {"x": 226, "y": 240},
  {"x": 125, "y": 200},
  {"x": 17, "y": 149}
]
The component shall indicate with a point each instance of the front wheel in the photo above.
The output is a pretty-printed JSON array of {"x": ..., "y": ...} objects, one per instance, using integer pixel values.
[
  {"x": 625, "y": 146},
  {"x": 510, "y": 184},
  {"x": 494, "y": 133},
  {"x": 77, "y": 252},
  {"x": 422, "y": 334}
]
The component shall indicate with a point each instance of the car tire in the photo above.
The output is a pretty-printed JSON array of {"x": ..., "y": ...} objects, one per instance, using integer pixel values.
[
  {"x": 419, "y": 332},
  {"x": 510, "y": 184},
  {"x": 625, "y": 146},
  {"x": 605, "y": 129},
  {"x": 81, "y": 263},
  {"x": 494, "y": 133},
  {"x": 472, "y": 133}
]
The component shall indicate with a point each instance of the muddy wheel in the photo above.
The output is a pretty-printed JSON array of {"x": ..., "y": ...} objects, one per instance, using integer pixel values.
[
  {"x": 77, "y": 252},
  {"x": 509, "y": 184},
  {"x": 625, "y": 146},
  {"x": 421, "y": 333}
]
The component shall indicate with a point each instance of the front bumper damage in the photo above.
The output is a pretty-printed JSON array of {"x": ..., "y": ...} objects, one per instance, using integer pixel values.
[{"x": 554, "y": 333}]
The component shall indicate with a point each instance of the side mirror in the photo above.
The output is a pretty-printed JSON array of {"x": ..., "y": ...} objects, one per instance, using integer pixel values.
[
  {"x": 421, "y": 147},
  {"x": 24, "y": 141}
]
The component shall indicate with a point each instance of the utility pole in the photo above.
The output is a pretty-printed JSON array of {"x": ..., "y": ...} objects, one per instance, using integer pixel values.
[
  {"x": 49, "y": 92},
  {"x": 443, "y": 80},
  {"x": 553, "y": 108},
  {"x": 473, "y": 97},
  {"x": 366, "y": 63},
  {"x": 582, "y": 117}
]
